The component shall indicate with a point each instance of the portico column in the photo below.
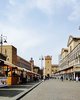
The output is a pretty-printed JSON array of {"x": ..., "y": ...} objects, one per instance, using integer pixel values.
[{"x": 74, "y": 75}]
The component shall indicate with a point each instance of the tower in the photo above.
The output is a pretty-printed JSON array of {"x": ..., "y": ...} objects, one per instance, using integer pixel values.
[
  {"x": 32, "y": 64},
  {"x": 48, "y": 66}
]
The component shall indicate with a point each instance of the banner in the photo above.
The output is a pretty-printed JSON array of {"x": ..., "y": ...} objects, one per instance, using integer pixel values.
[{"x": 3, "y": 81}]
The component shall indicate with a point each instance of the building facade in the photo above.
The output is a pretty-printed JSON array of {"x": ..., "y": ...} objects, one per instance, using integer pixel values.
[
  {"x": 11, "y": 56},
  {"x": 10, "y": 52},
  {"x": 50, "y": 68},
  {"x": 70, "y": 59},
  {"x": 55, "y": 68},
  {"x": 48, "y": 64},
  {"x": 23, "y": 63},
  {"x": 32, "y": 64},
  {"x": 36, "y": 69}
]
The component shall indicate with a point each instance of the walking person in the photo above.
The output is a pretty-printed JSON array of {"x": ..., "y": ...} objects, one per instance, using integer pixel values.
[
  {"x": 77, "y": 78},
  {"x": 21, "y": 77},
  {"x": 61, "y": 78}
]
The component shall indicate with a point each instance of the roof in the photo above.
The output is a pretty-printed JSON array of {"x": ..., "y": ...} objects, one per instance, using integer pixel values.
[
  {"x": 8, "y": 63},
  {"x": 9, "y": 46},
  {"x": 20, "y": 59},
  {"x": 71, "y": 38},
  {"x": 48, "y": 57},
  {"x": 64, "y": 50},
  {"x": 19, "y": 68}
]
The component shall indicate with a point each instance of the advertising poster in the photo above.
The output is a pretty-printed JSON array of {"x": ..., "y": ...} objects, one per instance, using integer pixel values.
[{"x": 3, "y": 81}]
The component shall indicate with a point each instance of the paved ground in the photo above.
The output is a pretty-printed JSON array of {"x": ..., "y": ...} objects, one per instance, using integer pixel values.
[
  {"x": 55, "y": 90},
  {"x": 7, "y": 93}
]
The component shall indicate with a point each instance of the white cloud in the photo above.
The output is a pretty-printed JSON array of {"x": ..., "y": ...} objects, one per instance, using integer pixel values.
[
  {"x": 51, "y": 6},
  {"x": 12, "y": 2},
  {"x": 75, "y": 15},
  {"x": 22, "y": 38},
  {"x": 44, "y": 5},
  {"x": 17, "y": 10},
  {"x": 16, "y": 33}
]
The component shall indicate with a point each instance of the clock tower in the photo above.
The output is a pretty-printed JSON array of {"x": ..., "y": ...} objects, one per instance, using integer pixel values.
[{"x": 48, "y": 66}]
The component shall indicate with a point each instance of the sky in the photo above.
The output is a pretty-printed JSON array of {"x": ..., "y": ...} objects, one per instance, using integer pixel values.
[{"x": 39, "y": 27}]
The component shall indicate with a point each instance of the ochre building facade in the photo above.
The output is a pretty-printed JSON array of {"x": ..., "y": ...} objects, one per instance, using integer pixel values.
[
  {"x": 69, "y": 62},
  {"x": 11, "y": 56},
  {"x": 49, "y": 68}
]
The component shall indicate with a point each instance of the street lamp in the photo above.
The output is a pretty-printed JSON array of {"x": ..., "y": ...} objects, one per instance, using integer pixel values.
[
  {"x": 42, "y": 66},
  {"x": 41, "y": 61},
  {"x": 2, "y": 40}
]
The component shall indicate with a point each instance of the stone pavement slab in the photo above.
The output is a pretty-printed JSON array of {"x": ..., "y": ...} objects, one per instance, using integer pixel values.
[
  {"x": 55, "y": 90},
  {"x": 15, "y": 92}
]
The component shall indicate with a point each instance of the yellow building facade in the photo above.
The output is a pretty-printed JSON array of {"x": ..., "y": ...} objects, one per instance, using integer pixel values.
[
  {"x": 11, "y": 56},
  {"x": 69, "y": 62},
  {"x": 10, "y": 52},
  {"x": 49, "y": 68},
  {"x": 55, "y": 68},
  {"x": 32, "y": 64},
  {"x": 48, "y": 64}
]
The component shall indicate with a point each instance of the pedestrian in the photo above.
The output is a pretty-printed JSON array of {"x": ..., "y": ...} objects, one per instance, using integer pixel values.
[
  {"x": 76, "y": 78},
  {"x": 21, "y": 77},
  {"x": 61, "y": 78}
]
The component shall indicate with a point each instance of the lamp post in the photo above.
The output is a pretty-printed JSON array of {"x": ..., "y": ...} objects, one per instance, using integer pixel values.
[
  {"x": 42, "y": 66},
  {"x": 41, "y": 61},
  {"x": 2, "y": 40}
]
